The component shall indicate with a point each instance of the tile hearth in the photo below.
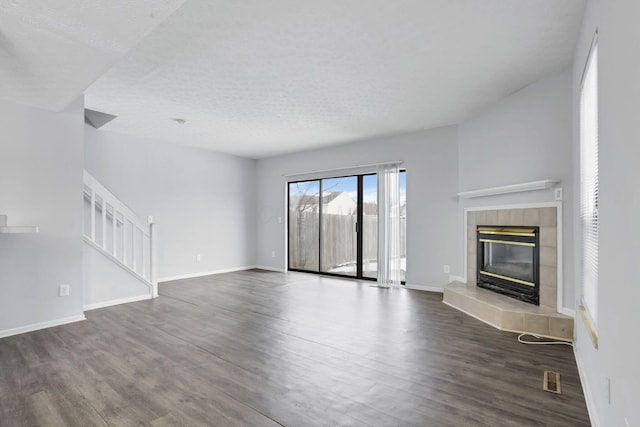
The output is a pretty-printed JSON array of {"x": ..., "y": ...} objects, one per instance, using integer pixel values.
[
  {"x": 501, "y": 311},
  {"x": 506, "y": 313}
]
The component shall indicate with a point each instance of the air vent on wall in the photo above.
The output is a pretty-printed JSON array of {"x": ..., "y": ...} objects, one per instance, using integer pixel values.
[{"x": 97, "y": 119}]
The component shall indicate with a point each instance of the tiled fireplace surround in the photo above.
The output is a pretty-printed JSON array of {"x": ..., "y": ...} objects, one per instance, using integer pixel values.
[{"x": 503, "y": 312}]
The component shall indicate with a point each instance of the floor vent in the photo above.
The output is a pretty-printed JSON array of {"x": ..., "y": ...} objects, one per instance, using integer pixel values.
[{"x": 552, "y": 382}]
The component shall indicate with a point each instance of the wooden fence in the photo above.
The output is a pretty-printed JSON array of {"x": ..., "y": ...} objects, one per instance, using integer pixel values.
[{"x": 339, "y": 244}]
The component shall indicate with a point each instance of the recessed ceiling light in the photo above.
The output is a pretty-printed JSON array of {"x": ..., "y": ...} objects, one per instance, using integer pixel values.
[{"x": 179, "y": 121}]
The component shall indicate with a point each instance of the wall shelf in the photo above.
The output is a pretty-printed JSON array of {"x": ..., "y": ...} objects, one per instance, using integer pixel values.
[
  {"x": 5, "y": 229},
  {"x": 19, "y": 230},
  {"x": 514, "y": 188}
]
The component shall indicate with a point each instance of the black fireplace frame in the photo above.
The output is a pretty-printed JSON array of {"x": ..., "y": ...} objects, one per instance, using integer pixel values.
[{"x": 511, "y": 288}]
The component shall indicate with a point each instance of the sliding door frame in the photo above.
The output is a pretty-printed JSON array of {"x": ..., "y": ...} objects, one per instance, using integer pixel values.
[{"x": 358, "y": 230}]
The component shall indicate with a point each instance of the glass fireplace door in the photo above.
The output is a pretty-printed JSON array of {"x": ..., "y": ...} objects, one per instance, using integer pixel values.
[{"x": 509, "y": 260}]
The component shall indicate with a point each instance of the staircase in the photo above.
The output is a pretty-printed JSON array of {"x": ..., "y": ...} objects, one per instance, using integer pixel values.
[{"x": 119, "y": 251}]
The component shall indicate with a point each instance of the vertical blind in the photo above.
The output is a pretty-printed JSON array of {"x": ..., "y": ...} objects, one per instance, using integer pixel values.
[
  {"x": 389, "y": 252},
  {"x": 589, "y": 183}
]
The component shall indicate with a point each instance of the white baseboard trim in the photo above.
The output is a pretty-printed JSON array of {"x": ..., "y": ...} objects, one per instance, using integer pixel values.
[
  {"x": 41, "y": 325},
  {"x": 204, "y": 273},
  {"x": 103, "y": 304},
  {"x": 453, "y": 278},
  {"x": 264, "y": 267},
  {"x": 568, "y": 312},
  {"x": 424, "y": 288},
  {"x": 588, "y": 395}
]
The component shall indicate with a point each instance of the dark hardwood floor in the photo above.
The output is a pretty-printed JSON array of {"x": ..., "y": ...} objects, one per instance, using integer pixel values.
[{"x": 260, "y": 348}]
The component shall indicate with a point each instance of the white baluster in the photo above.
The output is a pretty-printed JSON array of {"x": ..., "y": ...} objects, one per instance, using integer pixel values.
[
  {"x": 115, "y": 232},
  {"x": 153, "y": 257},
  {"x": 142, "y": 256},
  {"x": 124, "y": 239},
  {"x": 104, "y": 224},
  {"x": 133, "y": 245},
  {"x": 139, "y": 250},
  {"x": 93, "y": 216}
]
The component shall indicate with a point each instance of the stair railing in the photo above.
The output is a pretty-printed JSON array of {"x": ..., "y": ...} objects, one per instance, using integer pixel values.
[{"x": 113, "y": 228}]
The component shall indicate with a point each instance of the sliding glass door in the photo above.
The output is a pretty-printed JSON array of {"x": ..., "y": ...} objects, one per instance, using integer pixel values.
[
  {"x": 403, "y": 226},
  {"x": 304, "y": 226},
  {"x": 370, "y": 227},
  {"x": 333, "y": 226},
  {"x": 338, "y": 222}
]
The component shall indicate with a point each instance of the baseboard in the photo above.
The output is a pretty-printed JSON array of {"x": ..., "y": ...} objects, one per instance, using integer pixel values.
[
  {"x": 588, "y": 396},
  {"x": 264, "y": 267},
  {"x": 41, "y": 325},
  {"x": 205, "y": 273},
  {"x": 568, "y": 312},
  {"x": 115, "y": 302},
  {"x": 424, "y": 288}
]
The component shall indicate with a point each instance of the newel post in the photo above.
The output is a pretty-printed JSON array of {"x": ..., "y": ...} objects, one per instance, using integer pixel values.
[{"x": 153, "y": 238}]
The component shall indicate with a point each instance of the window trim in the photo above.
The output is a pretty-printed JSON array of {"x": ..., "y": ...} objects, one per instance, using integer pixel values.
[{"x": 589, "y": 215}]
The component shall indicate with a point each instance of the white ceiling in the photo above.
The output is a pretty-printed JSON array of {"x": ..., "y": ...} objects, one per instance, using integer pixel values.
[
  {"x": 52, "y": 50},
  {"x": 259, "y": 78}
]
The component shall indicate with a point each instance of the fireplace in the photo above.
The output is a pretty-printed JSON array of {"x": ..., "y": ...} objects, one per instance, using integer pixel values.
[{"x": 508, "y": 261}]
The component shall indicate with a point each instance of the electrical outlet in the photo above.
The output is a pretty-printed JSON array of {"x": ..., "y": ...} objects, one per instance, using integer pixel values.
[
  {"x": 64, "y": 290},
  {"x": 198, "y": 257},
  {"x": 557, "y": 194},
  {"x": 447, "y": 268},
  {"x": 273, "y": 254},
  {"x": 279, "y": 220}
]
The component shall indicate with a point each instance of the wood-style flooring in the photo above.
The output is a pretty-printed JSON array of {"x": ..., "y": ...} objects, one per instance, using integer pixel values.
[{"x": 259, "y": 348}]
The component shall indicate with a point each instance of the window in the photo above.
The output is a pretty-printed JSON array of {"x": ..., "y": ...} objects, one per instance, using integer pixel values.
[
  {"x": 333, "y": 226},
  {"x": 589, "y": 185}
]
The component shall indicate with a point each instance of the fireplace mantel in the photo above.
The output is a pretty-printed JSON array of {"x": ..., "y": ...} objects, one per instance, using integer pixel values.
[{"x": 513, "y": 188}]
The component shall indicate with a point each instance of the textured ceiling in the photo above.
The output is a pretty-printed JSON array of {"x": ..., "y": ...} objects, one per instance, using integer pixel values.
[
  {"x": 52, "y": 50},
  {"x": 259, "y": 78}
]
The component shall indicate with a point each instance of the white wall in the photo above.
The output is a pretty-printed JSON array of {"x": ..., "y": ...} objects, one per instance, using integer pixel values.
[
  {"x": 522, "y": 138},
  {"x": 106, "y": 282},
  {"x": 41, "y": 185},
  {"x": 203, "y": 202},
  {"x": 430, "y": 159},
  {"x": 619, "y": 245}
]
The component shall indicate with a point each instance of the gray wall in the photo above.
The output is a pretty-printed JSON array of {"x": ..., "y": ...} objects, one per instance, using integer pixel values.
[
  {"x": 203, "y": 202},
  {"x": 616, "y": 359},
  {"x": 41, "y": 185},
  {"x": 522, "y": 138},
  {"x": 106, "y": 282},
  {"x": 430, "y": 159}
]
